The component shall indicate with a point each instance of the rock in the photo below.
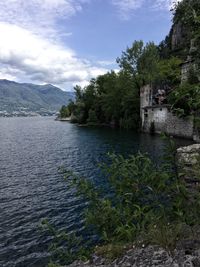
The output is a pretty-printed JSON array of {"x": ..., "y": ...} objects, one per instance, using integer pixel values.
[
  {"x": 151, "y": 256},
  {"x": 98, "y": 260},
  {"x": 195, "y": 148},
  {"x": 188, "y": 159},
  {"x": 177, "y": 38}
]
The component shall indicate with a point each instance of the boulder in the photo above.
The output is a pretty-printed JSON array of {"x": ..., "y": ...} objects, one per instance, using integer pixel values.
[
  {"x": 188, "y": 155},
  {"x": 188, "y": 162}
]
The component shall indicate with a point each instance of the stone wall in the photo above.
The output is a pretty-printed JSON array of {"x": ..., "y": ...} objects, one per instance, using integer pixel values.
[
  {"x": 145, "y": 96},
  {"x": 196, "y": 135},
  {"x": 164, "y": 121},
  {"x": 179, "y": 127},
  {"x": 156, "y": 115},
  {"x": 160, "y": 118}
]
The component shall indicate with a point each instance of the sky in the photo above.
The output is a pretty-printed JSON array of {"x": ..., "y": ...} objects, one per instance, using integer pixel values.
[{"x": 68, "y": 42}]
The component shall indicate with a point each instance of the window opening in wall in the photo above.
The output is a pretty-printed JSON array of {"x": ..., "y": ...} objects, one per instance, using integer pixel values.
[{"x": 146, "y": 113}]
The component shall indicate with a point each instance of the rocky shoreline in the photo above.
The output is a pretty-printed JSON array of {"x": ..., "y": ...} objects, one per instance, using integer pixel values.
[
  {"x": 150, "y": 256},
  {"x": 63, "y": 119}
]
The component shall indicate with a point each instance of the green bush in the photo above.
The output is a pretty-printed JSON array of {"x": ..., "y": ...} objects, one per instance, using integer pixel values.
[
  {"x": 142, "y": 195},
  {"x": 146, "y": 203},
  {"x": 185, "y": 99}
]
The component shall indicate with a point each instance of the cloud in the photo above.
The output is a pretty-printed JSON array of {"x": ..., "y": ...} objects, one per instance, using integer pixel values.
[
  {"x": 8, "y": 73},
  {"x": 40, "y": 16},
  {"x": 82, "y": 83},
  {"x": 127, "y": 8},
  {"x": 165, "y": 4},
  {"x": 31, "y": 46},
  {"x": 41, "y": 60},
  {"x": 105, "y": 63}
]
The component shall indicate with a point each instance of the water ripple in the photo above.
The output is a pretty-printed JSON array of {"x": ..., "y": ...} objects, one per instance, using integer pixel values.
[{"x": 31, "y": 188}]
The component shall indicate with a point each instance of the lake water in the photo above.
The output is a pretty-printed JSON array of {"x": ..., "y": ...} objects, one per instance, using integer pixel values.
[{"x": 31, "y": 187}]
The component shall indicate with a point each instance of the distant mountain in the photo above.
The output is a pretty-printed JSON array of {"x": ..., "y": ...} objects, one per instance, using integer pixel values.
[{"x": 26, "y": 98}]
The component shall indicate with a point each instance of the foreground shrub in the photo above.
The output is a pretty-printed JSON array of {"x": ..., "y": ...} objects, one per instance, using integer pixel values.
[{"x": 145, "y": 203}]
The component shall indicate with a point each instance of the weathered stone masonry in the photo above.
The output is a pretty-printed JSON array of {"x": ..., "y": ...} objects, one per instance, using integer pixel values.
[{"x": 161, "y": 118}]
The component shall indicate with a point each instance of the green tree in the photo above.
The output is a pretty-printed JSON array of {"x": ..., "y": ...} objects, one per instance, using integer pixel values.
[
  {"x": 169, "y": 71},
  {"x": 148, "y": 63},
  {"x": 92, "y": 117},
  {"x": 185, "y": 99},
  {"x": 129, "y": 58},
  {"x": 71, "y": 107},
  {"x": 78, "y": 93},
  {"x": 64, "y": 112}
]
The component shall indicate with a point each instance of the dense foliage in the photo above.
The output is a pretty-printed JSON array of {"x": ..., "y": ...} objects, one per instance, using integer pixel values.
[
  {"x": 64, "y": 112},
  {"x": 114, "y": 98},
  {"x": 186, "y": 100},
  {"x": 146, "y": 201}
]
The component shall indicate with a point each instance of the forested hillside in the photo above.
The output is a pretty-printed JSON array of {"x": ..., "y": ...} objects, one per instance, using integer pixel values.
[{"x": 15, "y": 97}]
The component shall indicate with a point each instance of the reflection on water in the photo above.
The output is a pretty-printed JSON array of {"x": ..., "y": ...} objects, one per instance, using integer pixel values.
[{"x": 31, "y": 188}]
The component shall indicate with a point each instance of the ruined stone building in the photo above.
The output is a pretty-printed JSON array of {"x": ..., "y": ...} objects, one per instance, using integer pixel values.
[{"x": 156, "y": 115}]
